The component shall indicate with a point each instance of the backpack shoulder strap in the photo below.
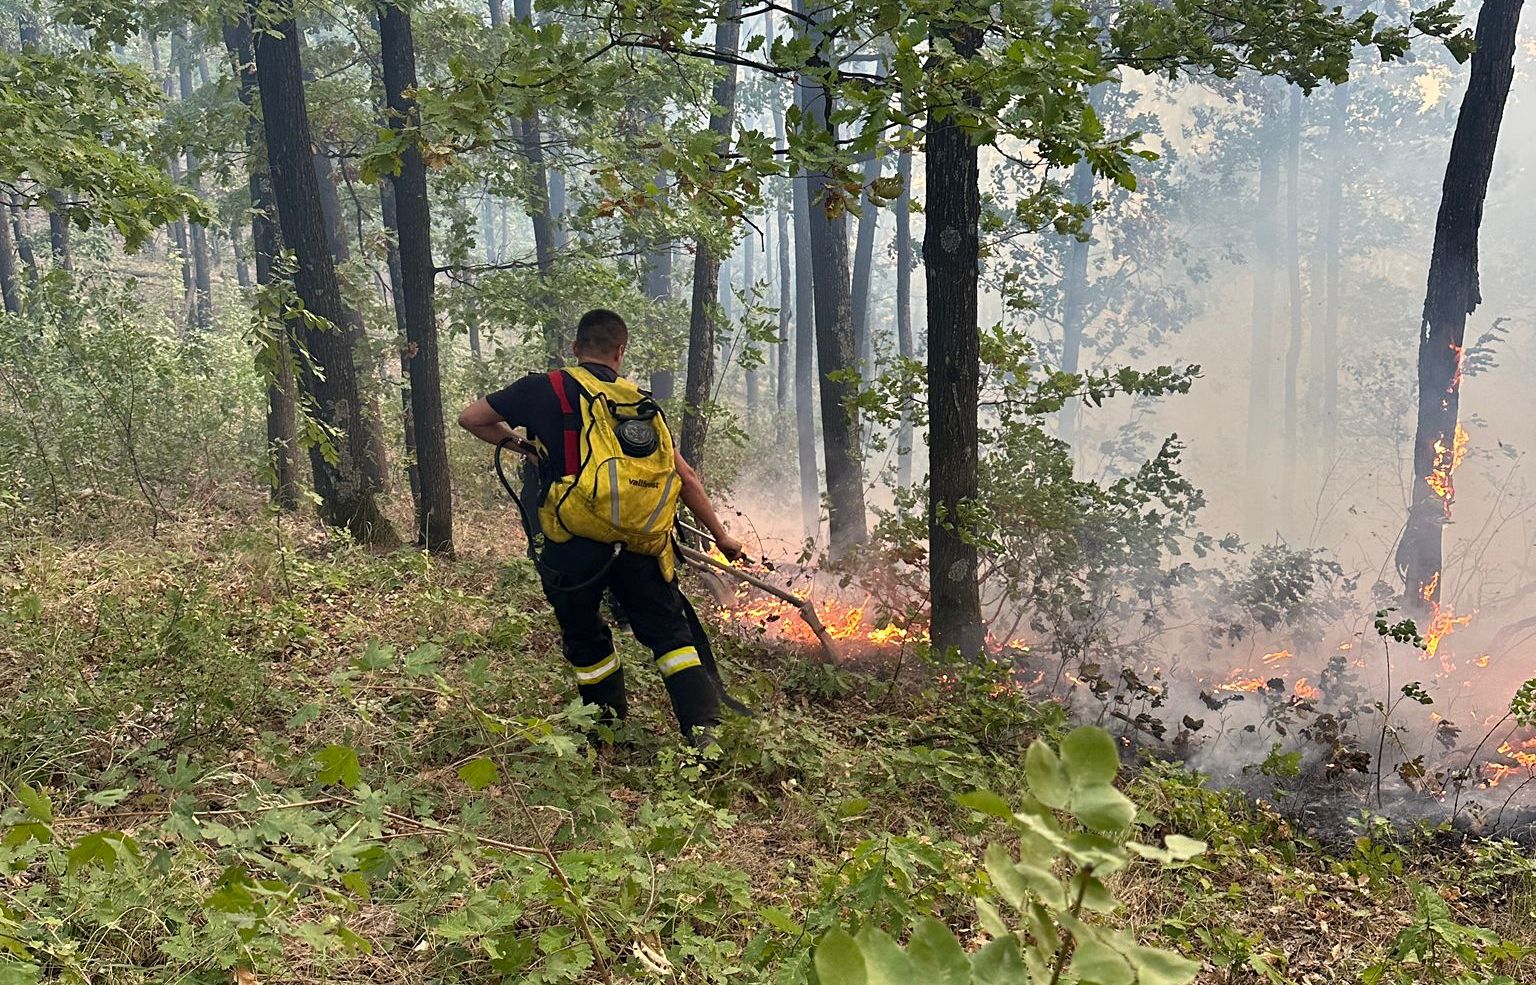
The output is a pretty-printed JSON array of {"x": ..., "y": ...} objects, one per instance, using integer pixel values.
[{"x": 571, "y": 424}]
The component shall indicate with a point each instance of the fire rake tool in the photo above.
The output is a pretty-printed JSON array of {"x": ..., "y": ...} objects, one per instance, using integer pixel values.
[{"x": 802, "y": 605}]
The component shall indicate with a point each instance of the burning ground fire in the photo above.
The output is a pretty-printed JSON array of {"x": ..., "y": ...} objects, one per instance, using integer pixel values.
[{"x": 845, "y": 623}]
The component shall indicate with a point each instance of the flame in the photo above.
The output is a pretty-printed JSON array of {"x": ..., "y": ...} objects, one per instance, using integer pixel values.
[
  {"x": 1305, "y": 690},
  {"x": 843, "y": 622},
  {"x": 1521, "y": 757},
  {"x": 1270, "y": 659},
  {"x": 1442, "y": 623},
  {"x": 1248, "y": 684},
  {"x": 1447, "y": 460},
  {"x": 1482, "y": 661}
]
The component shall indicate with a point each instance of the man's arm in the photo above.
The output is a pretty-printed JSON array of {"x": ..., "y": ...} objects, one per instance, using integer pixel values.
[
  {"x": 481, "y": 420},
  {"x": 697, "y": 500}
]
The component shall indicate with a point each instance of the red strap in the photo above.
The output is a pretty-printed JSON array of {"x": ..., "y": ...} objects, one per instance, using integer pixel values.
[{"x": 572, "y": 436}]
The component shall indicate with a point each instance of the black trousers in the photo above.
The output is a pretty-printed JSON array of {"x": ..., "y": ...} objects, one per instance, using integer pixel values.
[{"x": 575, "y": 575}]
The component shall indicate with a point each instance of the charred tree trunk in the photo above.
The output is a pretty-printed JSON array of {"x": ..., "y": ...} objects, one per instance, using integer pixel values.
[
  {"x": 413, "y": 230},
  {"x": 951, "y": 257},
  {"x": 1453, "y": 293},
  {"x": 266, "y": 244},
  {"x": 1293, "y": 276},
  {"x": 197, "y": 233},
  {"x": 805, "y": 347},
  {"x": 904, "y": 340},
  {"x": 702, "y": 327},
  {"x": 836, "y": 348},
  {"x": 1260, "y": 386},
  {"x": 330, "y": 378}
]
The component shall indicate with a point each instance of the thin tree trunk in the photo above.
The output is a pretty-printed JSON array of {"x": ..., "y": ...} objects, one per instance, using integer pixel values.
[
  {"x": 391, "y": 221},
  {"x": 782, "y": 349},
  {"x": 1332, "y": 230},
  {"x": 1453, "y": 293},
  {"x": 904, "y": 341},
  {"x": 242, "y": 258},
  {"x": 863, "y": 266},
  {"x": 58, "y": 234},
  {"x": 544, "y": 245},
  {"x": 749, "y": 283},
  {"x": 1074, "y": 291},
  {"x": 23, "y": 241},
  {"x": 197, "y": 233},
  {"x": 434, "y": 507},
  {"x": 805, "y": 346},
  {"x": 1261, "y": 380},
  {"x": 10, "y": 284},
  {"x": 330, "y": 376},
  {"x": 266, "y": 243},
  {"x": 702, "y": 328},
  {"x": 658, "y": 287},
  {"x": 836, "y": 350},
  {"x": 1293, "y": 274},
  {"x": 951, "y": 252}
]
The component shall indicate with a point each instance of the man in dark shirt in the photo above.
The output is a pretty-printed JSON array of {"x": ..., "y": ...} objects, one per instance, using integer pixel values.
[{"x": 576, "y": 573}]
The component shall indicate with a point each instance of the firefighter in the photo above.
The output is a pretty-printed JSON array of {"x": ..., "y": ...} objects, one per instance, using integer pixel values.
[{"x": 579, "y": 420}]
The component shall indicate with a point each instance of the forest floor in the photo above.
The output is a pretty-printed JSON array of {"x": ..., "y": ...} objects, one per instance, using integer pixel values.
[{"x": 243, "y": 751}]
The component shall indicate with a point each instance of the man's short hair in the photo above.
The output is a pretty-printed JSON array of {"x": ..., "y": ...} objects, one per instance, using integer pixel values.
[{"x": 601, "y": 332}]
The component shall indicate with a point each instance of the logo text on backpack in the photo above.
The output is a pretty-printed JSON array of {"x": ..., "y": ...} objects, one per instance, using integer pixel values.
[{"x": 646, "y": 483}]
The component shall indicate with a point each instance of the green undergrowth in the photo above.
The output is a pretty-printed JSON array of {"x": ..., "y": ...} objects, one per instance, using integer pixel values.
[{"x": 243, "y": 753}]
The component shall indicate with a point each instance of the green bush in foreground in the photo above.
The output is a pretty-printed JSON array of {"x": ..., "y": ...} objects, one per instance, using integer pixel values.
[{"x": 1056, "y": 942}]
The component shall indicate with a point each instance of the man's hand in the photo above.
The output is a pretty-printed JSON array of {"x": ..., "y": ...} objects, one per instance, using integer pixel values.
[{"x": 729, "y": 546}]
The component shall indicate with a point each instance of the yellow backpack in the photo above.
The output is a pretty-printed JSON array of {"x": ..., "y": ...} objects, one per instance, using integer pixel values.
[{"x": 620, "y": 485}]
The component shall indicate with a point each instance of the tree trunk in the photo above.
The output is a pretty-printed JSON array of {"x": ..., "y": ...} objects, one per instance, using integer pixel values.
[
  {"x": 391, "y": 221},
  {"x": 805, "y": 347},
  {"x": 1074, "y": 291},
  {"x": 782, "y": 348},
  {"x": 23, "y": 241},
  {"x": 1332, "y": 232},
  {"x": 1293, "y": 350},
  {"x": 242, "y": 258},
  {"x": 904, "y": 341},
  {"x": 356, "y": 329},
  {"x": 749, "y": 283},
  {"x": 1260, "y": 385},
  {"x": 836, "y": 350},
  {"x": 10, "y": 284},
  {"x": 1453, "y": 293},
  {"x": 951, "y": 250},
  {"x": 702, "y": 327},
  {"x": 197, "y": 233},
  {"x": 658, "y": 287},
  {"x": 266, "y": 244},
  {"x": 544, "y": 246},
  {"x": 58, "y": 234},
  {"x": 330, "y": 376},
  {"x": 413, "y": 230},
  {"x": 863, "y": 266}
]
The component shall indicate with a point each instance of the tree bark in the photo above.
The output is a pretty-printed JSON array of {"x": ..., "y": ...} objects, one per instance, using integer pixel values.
[
  {"x": 266, "y": 245},
  {"x": 23, "y": 242},
  {"x": 805, "y": 346},
  {"x": 1074, "y": 292},
  {"x": 1453, "y": 293},
  {"x": 1260, "y": 385},
  {"x": 532, "y": 137},
  {"x": 1332, "y": 231},
  {"x": 658, "y": 287},
  {"x": 330, "y": 376},
  {"x": 413, "y": 230},
  {"x": 951, "y": 252},
  {"x": 836, "y": 349},
  {"x": 197, "y": 233},
  {"x": 904, "y": 340},
  {"x": 863, "y": 266},
  {"x": 702, "y": 327},
  {"x": 10, "y": 283},
  {"x": 1293, "y": 350},
  {"x": 58, "y": 234},
  {"x": 749, "y": 283},
  {"x": 391, "y": 221}
]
